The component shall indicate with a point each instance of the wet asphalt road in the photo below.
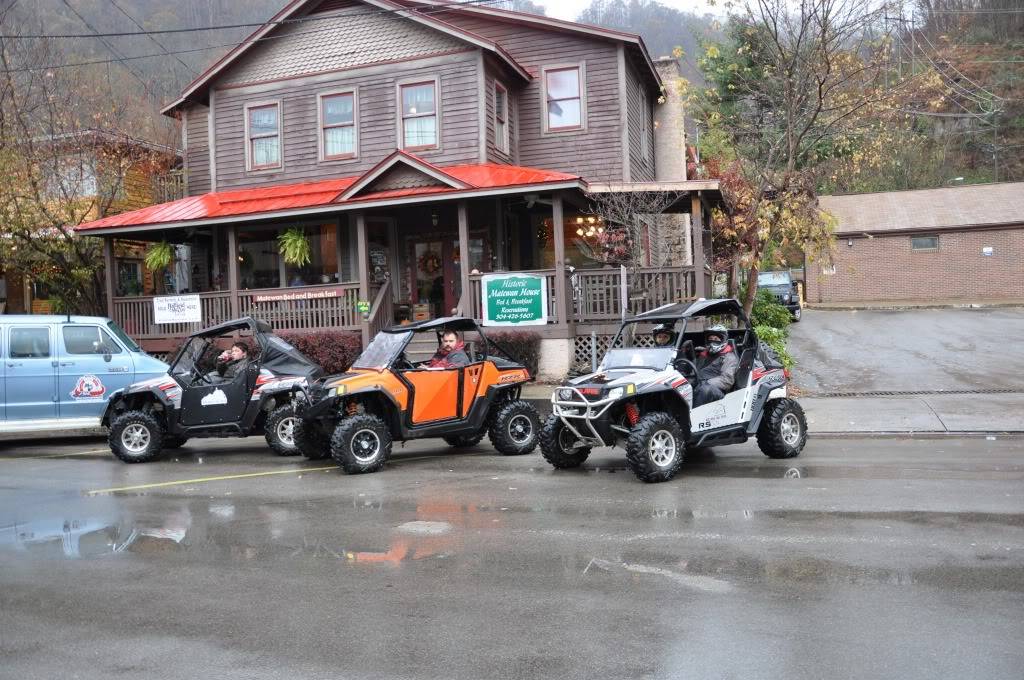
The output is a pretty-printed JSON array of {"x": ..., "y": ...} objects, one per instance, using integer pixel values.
[
  {"x": 863, "y": 558},
  {"x": 908, "y": 350}
]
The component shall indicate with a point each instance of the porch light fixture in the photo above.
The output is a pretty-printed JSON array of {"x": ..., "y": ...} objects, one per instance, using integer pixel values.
[
  {"x": 580, "y": 232},
  {"x": 433, "y": 218},
  {"x": 849, "y": 242}
]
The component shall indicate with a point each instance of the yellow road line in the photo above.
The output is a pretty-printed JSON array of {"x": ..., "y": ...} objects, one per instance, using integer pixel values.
[
  {"x": 201, "y": 480},
  {"x": 56, "y": 455}
]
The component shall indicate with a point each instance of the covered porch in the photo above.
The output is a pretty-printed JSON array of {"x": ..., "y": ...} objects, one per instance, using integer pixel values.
[{"x": 383, "y": 255}]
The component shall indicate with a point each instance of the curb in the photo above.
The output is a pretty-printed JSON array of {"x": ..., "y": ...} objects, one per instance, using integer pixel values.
[
  {"x": 897, "y": 307},
  {"x": 919, "y": 434}
]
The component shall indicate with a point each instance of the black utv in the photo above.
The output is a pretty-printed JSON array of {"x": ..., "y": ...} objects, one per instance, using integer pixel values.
[{"x": 199, "y": 398}]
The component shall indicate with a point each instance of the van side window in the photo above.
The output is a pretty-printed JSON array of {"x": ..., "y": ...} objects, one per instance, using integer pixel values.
[
  {"x": 89, "y": 340},
  {"x": 30, "y": 343}
]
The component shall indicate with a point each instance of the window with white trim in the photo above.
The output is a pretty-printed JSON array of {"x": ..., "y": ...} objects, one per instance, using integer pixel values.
[
  {"x": 338, "y": 133},
  {"x": 419, "y": 115},
  {"x": 564, "y": 99},
  {"x": 263, "y": 129},
  {"x": 500, "y": 117}
]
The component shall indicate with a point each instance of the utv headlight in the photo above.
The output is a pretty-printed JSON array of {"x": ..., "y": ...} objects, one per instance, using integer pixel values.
[
  {"x": 619, "y": 392},
  {"x": 565, "y": 395}
]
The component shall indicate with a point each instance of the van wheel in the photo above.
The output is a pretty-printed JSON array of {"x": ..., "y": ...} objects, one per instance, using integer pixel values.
[
  {"x": 461, "y": 441},
  {"x": 279, "y": 431},
  {"x": 361, "y": 444},
  {"x": 136, "y": 437},
  {"x": 312, "y": 442},
  {"x": 654, "y": 448},
  {"x": 515, "y": 428},
  {"x": 783, "y": 429},
  {"x": 556, "y": 442}
]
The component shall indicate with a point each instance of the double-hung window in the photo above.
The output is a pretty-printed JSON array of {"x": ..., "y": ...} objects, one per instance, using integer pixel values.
[
  {"x": 338, "y": 133},
  {"x": 263, "y": 130},
  {"x": 500, "y": 117},
  {"x": 564, "y": 96},
  {"x": 419, "y": 115}
]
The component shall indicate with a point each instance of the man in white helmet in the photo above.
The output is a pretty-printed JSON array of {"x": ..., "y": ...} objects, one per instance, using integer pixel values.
[{"x": 716, "y": 366}]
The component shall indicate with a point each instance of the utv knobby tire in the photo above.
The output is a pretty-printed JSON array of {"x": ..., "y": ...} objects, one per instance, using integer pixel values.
[
  {"x": 646, "y": 453},
  {"x": 136, "y": 437},
  {"x": 312, "y": 442},
  {"x": 361, "y": 444},
  {"x": 172, "y": 442},
  {"x": 783, "y": 429},
  {"x": 279, "y": 431},
  {"x": 461, "y": 441},
  {"x": 515, "y": 428},
  {"x": 553, "y": 445}
]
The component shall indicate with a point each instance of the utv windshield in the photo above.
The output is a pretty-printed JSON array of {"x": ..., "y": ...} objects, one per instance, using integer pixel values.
[
  {"x": 655, "y": 359},
  {"x": 645, "y": 344},
  {"x": 382, "y": 350}
]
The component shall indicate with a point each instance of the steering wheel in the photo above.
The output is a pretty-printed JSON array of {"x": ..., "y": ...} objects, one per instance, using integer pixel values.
[
  {"x": 687, "y": 368},
  {"x": 198, "y": 377},
  {"x": 403, "y": 363}
]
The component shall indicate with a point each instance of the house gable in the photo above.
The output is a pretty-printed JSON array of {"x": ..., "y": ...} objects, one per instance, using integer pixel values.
[
  {"x": 401, "y": 171},
  {"x": 365, "y": 35}
]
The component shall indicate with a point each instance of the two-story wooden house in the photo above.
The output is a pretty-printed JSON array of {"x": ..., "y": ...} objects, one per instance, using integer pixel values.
[{"x": 419, "y": 145}]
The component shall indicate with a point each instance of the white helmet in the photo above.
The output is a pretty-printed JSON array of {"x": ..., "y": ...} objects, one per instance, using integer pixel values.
[{"x": 723, "y": 338}]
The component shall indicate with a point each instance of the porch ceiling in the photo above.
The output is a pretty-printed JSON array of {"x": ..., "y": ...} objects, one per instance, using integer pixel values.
[{"x": 328, "y": 196}]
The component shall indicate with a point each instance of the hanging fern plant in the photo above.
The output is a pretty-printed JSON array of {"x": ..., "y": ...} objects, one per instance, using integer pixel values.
[
  {"x": 159, "y": 256},
  {"x": 294, "y": 246}
]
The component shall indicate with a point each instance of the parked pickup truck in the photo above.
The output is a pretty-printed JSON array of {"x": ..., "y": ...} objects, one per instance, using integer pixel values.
[
  {"x": 783, "y": 287},
  {"x": 57, "y": 372}
]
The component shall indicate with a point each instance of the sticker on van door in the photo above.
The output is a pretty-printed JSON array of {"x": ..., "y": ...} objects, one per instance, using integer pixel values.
[{"x": 88, "y": 387}]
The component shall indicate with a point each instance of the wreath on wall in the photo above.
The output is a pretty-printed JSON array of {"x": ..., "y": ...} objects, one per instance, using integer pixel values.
[{"x": 429, "y": 262}]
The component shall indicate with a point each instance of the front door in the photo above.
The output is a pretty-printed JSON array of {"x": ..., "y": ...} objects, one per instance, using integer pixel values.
[
  {"x": 31, "y": 380},
  {"x": 437, "y": 271},
  {"x": 218, "y": 403},
  {"x": 92, "y": 365}
]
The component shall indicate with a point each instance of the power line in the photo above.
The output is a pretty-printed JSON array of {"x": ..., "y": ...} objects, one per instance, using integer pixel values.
[
  {"x": 198, "y": 29},
  {"x": 155, "y": 41},
  {"x": 236, "y": 43},
  {"x": 145, "y": 85}
]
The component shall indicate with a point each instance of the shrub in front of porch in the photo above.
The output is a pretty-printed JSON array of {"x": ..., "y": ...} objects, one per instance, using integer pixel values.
[
  {"x": 524, "y": 346},
  {"x": 333, "y": 351}
]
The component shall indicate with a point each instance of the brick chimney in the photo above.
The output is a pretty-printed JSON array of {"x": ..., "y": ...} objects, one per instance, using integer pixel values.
[{"x": 669, "y": 131}]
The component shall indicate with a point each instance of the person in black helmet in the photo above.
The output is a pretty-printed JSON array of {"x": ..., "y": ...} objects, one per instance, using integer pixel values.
[
  {"x": 716, "y": 366},
  {"x": 663, "y": 335}
]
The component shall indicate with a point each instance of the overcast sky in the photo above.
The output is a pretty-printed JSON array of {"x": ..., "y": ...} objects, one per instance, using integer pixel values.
[{"x": 569, "y": 9}]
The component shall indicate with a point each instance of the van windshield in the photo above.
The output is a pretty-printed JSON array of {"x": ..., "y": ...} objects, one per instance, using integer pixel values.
[{"x": 123, "y": 337}]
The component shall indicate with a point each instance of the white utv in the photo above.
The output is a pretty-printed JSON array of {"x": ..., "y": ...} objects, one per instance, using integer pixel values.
[{"x": 642, "y": 396}]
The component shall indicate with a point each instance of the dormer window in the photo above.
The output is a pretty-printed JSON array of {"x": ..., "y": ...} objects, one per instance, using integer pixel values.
[
  {"x": 338, "y": 133},
  {"x": 263, "y": 131},
  {"x": 418, "y": 102},
  {"x": 563, "y": 93}
]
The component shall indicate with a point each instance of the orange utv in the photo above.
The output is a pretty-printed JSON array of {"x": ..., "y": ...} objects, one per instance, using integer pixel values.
[{"x": 385, "y": 397}]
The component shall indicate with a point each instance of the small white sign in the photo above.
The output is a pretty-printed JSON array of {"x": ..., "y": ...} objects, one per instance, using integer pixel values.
[
  {"x": 177, "y": 309},
  {"x": 215, "y": 398},
  {"x": 987, "y": 251}
]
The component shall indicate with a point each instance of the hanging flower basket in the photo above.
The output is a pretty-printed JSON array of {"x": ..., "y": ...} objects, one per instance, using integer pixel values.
[{"x": 429, "y": 262}]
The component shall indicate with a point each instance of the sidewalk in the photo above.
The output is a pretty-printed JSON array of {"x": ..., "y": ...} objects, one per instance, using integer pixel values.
[
  {"x": 914, "y": 304},
  {"x": 949, "y": 413}
]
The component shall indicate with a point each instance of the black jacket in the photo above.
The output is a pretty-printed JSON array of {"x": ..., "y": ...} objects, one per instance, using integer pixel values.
[{"x": 718, "y": 370}]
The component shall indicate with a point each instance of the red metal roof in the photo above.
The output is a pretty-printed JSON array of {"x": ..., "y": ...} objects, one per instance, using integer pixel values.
[{"x": 315, "y": 194}]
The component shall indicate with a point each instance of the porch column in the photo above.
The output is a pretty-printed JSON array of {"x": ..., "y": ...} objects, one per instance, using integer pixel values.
[
  {"x": 338, "y": 251},
  {"x": 464, "y": 259},
  {"x": 558, "y": 229},
  {"x": 697, "y": 237},
  {"x": 108, "y": 273},
  {"x": 501, "y": 244},
  {"x": 233, "y": 269},
  {"x": 363, "y": 255}
]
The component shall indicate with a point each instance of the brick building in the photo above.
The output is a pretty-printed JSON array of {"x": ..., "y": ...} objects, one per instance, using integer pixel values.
[{"x": 951, "y": 243}]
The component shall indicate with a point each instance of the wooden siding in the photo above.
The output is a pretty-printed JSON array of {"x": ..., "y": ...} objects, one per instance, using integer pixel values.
[
  {"x": 378, "y": 109},
  {"x": 492, "y": 71},
  {"x": 345, "y": 39},
  {"x": 641, "y": 164},
  {"x": 197, "y": 151},
  {"x": 596, "y": 152}
]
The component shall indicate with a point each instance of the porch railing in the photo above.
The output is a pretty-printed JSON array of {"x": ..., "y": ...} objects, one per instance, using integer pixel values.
[
  {"x": 596, "y": 293},
  {"x": 334, "y": 309},
  {"x": 380, "y": 314},
  {"x": 135, "y": 315}
]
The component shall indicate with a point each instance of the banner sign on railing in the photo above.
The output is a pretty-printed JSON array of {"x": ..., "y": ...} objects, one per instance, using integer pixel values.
[
  {"x": 315, "y": 294},
  {"x": 177, "y": 309},
  {"x": 514, "y": 300}
]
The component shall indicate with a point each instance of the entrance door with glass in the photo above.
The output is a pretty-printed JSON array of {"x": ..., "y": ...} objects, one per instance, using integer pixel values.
[{"x": 437, "y": 272}]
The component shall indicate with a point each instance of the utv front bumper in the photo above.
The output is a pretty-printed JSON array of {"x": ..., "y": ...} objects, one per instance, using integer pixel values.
[{"x": 589, "y": 421}]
